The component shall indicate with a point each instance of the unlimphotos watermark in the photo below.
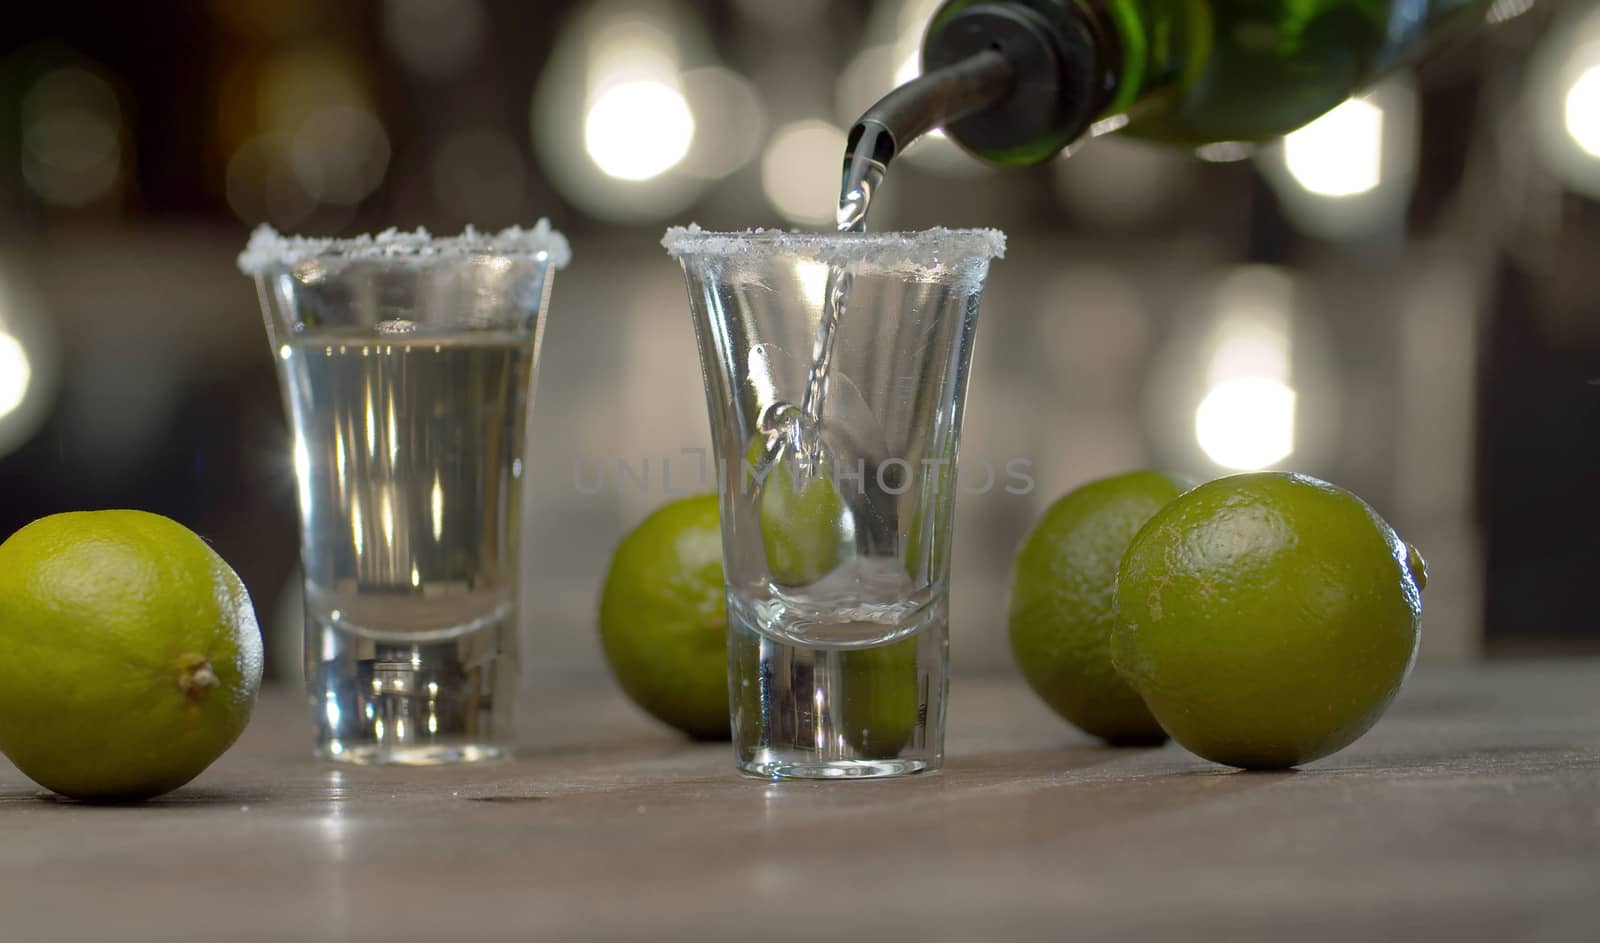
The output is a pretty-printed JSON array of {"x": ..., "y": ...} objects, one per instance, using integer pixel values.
[{"x": 689, "y": 472}]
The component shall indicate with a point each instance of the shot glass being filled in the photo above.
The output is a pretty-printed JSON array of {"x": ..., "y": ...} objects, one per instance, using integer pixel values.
[{"x": 836, "y": 369}]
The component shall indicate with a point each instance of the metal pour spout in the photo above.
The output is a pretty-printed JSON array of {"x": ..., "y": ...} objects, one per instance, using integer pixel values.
[{"x": 910, "y": 111}]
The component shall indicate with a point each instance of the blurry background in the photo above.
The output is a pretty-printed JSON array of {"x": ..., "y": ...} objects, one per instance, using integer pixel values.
[{"x": 1403, "y": 298}]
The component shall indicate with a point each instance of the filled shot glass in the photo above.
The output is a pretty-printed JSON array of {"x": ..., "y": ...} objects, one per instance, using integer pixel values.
[{"x": 406, "y": 364}]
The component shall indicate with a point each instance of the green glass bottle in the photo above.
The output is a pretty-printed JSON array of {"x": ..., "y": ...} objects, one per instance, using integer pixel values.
[{"x": 1186, "y": 71}]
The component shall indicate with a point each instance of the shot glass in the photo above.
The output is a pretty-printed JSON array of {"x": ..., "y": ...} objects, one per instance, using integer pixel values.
[
  {"x": 836, "y": 368},
  {"x": 406, "y": 364}
]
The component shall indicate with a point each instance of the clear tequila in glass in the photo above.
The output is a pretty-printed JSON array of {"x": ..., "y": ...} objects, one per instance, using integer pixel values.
[{"x": 407, "y": 365}]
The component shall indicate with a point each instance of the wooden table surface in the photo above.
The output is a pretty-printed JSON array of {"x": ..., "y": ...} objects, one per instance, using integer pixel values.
[{"x": 1471, "y": 812}]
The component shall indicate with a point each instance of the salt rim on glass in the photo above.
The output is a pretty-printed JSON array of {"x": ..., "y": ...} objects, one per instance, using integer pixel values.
[
  {"x": 872, "y": 249},
  {"x": 268, "y": 249}
]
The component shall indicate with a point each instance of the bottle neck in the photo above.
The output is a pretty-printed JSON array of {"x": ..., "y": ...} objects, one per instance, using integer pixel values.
[{"x": 1066, "y": 61}]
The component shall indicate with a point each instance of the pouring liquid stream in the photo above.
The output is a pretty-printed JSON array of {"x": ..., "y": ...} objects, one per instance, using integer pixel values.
[
  {"x": 802, "y": 429},
  {"x": 834, "y": 544},
  {"x": 884, "y": 131},
  {"x": 849, "y": 587}
]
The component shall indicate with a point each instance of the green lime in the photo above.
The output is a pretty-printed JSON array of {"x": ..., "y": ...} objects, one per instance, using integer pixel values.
[
  {"x": 1061, "y": 603},
  {"x": 1267, "y": 619},
  {"x": 664, "y": 617},
  {"x": 803, "y": 520},
  {"x": 132, "y": 656},
  {"x": 879, "y": 699}
]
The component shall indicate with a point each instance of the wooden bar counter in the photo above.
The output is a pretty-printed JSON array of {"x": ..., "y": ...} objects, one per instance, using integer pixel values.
[{"x": 1471, "y": 812}]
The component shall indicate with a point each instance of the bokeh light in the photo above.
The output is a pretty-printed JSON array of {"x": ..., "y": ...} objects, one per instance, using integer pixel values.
[
  {"x": 736, "y": 122},
  {"x": 800, "y": 171},
  {"x": 316, "y": 147},
  {"x": 1583, "y": 110},
  {"x": 435, "y": 38},
  {"x": 72, "y": 129},
  {"x": 1245, "y": 419},
  {"x": 1339, "y": 154},
  {"x": 1245, "y": 377},
  {"x": 1246, "y": 424},
  {"x": 15, "y": 372},
  {"x": 1349, "y": 174},
  {"x": 910, "y": 22},
  {"x": 29, "y": 359},
  {"x": 614, "y": 119},
  {"x": 638, "y": 130},
  {"x": 305, "y": 80},
  {"x": 339, "y": 154},
  {"x": 1560, "y": 102},
  {"x": 867, "y": 77}
]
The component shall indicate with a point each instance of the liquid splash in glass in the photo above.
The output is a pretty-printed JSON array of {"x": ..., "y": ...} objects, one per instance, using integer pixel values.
[{"x": 866, "y": 524}]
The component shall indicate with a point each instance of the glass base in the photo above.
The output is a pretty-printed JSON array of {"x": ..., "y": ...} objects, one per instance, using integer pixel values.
[
  {"x": 412, "y": 703},
  {"x": 803, "y": 712},
  {"x": 802, "y": 768},
  {"x": 433, "y": 755}
]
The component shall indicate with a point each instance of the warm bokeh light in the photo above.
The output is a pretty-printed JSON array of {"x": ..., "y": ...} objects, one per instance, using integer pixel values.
[
  {"x": 1339, "y": 154},
  {"x": 1350, "y": 174},
  {"x": 622, "y": 127},
  {"x": 1560, "y": 100},
  {"x": 638, "y": 130},
  {"x": 1583, "y": 110},
  {"x": 339, "y": 155},
  {"x": 800, "y": 171},
  {"x": 1249, "y": 350},
  {"x": 30, "y": 357},
  {"x": 314, "y": 145},
  {"x": 1246, "y": 423},
  {"x": 1246, "y": 418},
  {"x": 303, "y": 80},
  {"x": 15, "y": 372}
]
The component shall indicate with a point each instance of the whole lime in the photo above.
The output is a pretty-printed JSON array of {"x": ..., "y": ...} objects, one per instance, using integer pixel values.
[
  {"x": 1061, "y": 603},
  {"x": 132, "y": 656},
  {"x": 664, "y": 617},
  {"x": 1267, "y": 619}
]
